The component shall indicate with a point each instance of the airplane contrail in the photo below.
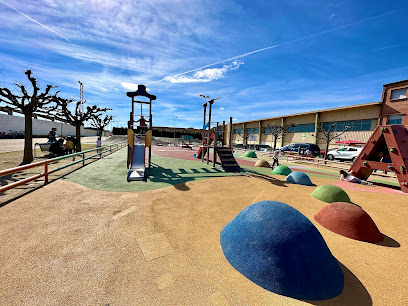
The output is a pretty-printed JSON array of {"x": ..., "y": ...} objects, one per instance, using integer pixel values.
[
  {"x": 34, "y": 20},
  {"x": 277, "y": 45},
  {"x": 393, "y": 46}
]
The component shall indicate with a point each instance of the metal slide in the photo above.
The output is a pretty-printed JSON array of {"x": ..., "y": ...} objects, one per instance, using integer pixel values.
[{"x": 136, "y": 171}]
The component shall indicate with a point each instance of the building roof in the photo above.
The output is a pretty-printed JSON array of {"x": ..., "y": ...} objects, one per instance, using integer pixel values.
[
  {"x": 395, "y": 83},
  {"x": 314, "y": 112}
]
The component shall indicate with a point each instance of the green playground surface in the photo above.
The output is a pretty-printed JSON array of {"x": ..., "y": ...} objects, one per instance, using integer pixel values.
[{"x": 109, "y": 173}]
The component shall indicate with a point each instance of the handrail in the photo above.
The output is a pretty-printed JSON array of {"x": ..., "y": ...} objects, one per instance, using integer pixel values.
[
  {"x": 328, "y": 163},
  {"x": 100, "y": 151}
]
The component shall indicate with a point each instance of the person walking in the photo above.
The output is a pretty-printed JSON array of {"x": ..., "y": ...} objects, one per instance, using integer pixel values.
[{"x": 275, "y": 158}]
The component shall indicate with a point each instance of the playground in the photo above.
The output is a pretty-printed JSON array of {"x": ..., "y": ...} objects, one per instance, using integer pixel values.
[
  {"x": 151, "y": 224},
  {"x": 101, "y": 240}
]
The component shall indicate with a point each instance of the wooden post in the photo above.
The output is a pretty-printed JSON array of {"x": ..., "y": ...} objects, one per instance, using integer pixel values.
[
  {"x": 231, "y": 130},
  {"x": 133, "y": 111},
  {"x": 224, "y": 133},
  {"x": 151, "y": 127},
  {"x": 45, "y": 173},
  {"x": 215, "y": 145},
  {"x": 209, "y": 134}
]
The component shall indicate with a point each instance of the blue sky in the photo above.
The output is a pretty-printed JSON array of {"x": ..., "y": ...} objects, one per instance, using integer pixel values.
[{"x": 319, "y": 54}]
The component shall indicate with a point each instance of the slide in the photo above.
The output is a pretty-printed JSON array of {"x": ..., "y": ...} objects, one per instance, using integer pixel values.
[
  {"x": 136, "y": 170},
  {"x": 203, "y": 148}
]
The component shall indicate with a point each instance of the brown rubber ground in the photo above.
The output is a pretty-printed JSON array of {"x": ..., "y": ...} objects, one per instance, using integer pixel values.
[{"x": 65, "y": 244}]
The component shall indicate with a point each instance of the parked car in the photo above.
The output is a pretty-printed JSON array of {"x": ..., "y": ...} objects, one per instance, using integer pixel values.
[
  {"x": 305, "y": 148},
  {"x": 322, "y": 152},
  {"x": 344, "y": 153},
  {"x": 264, "y": 148}
]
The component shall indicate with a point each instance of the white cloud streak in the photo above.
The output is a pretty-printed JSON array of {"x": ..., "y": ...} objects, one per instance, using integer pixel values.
[
  {"x": 206, "y": 75},
  {"x": 34, "y": 20},
  {"x": 167, "y": 78},
  {"x": 393, "y": 46}
]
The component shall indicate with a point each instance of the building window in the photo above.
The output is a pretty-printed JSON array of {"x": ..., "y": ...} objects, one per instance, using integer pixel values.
[
  {"x": 355, "y": 125},
  {"x": 302, "y": 128},
  {"x": 399, "y": 94},
  {"x": 252, "y": 131},
  {"x": 238, "y": 131},
  {"x": 394, "y": 119}
]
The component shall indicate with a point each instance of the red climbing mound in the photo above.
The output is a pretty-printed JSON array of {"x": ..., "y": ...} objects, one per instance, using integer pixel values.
[{"x": 350, "y": 221}]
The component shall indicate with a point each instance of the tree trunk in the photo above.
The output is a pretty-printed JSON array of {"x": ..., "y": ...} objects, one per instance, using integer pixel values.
[
  {"x": 78, "y": 137},
  {"x": 28, "y": 137},
  {"x": 327, "y": 148},
  {"x": 274, "y": 143},
  {"x": 100, "y": 132}
]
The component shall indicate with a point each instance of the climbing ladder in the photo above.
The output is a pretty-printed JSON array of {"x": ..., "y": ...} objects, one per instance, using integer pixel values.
[
  {"x": 388, "y": 140},
  {"x": 228, "y": 162}
]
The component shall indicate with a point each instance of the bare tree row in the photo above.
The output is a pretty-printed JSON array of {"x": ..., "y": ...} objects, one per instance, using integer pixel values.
[{"x": 49, "y": 103}]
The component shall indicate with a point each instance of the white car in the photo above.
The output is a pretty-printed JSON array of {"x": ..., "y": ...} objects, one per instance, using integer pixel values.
[{"x": 344, "y": 153}]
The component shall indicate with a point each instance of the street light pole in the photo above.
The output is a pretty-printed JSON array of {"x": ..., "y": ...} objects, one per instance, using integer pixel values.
[
  {"x": 205, "y": 108},
  {"x": 345, "y": 135},
  {"x": 174, "y": 128}
]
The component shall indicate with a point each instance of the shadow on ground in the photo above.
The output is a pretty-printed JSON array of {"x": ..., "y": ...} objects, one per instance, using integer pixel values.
[
  {"x": 388, "y": 242},
  {"x": 354, "y": 292},
  {"x": 178, "y": 178}
]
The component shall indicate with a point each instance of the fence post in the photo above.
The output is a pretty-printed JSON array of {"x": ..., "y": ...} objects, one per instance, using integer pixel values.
[
  {"x": 83, "y": 159},
  {"x": 45, "y": 173}
]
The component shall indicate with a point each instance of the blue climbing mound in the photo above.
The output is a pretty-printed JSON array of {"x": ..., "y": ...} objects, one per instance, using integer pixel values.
[
  {"x": 279, "y": 249},
  {"x": 299, "y": 178}
]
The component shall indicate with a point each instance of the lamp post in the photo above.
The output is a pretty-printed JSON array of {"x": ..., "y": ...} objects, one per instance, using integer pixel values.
[
  {"x": 205, "y": 107},
  {"x": 175, "y": 118},
  {"x": 345, "y": 135}
]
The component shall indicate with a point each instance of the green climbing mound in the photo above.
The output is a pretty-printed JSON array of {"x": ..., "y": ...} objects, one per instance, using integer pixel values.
[
  {"x": 282, "y": 170},
  {"x": 330, "y": 194},
  {"x": 262, "y": 163},
  {"x": 251, "y": 154}
]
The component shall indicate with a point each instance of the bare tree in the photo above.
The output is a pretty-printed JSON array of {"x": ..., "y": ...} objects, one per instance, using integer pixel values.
[
  {"x": 100, "y": 123},
  {"x": 28, "y": 104},
  {"x": 245, "y": 136},
  {"x": 329, "y": 135},
  {"x": 278, "y": 132},
  {"x": 77, "y": 117}
]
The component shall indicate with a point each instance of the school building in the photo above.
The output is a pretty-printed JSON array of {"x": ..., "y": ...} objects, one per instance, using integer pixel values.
[{"x": 360, "y": 120}]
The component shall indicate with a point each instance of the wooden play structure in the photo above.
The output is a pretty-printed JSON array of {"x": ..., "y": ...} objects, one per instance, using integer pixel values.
[
  {"x": 387, "y": 150},
  {"x": 211, "y": 138},
  {"x": 139, "y": 137}
]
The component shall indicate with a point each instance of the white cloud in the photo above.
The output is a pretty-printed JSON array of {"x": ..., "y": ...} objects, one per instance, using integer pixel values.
[
  {"x": 206, "y": 75},
  {"x": 104, "y": 89},
  {"x": 129, "y": 86}
]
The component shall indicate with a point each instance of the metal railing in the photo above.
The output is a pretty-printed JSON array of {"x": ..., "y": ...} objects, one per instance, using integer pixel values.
[
  {"x": 328, "y": 163},
  {"x": 99, "y": 152}
]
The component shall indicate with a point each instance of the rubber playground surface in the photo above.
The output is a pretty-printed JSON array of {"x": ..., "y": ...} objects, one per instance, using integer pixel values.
[{"x": 94, "y": 238}]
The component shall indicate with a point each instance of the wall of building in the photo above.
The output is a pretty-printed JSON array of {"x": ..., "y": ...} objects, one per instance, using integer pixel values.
[
  {"x": 363, "y": 112},
  {"x": 393, "y": 106},
  {"x": 11, "y": 123}
]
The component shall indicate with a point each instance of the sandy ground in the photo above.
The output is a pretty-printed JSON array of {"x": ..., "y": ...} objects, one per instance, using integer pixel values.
[
  {"x": 66, "y": 244},
  {"x": 10, "y": 145}
]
